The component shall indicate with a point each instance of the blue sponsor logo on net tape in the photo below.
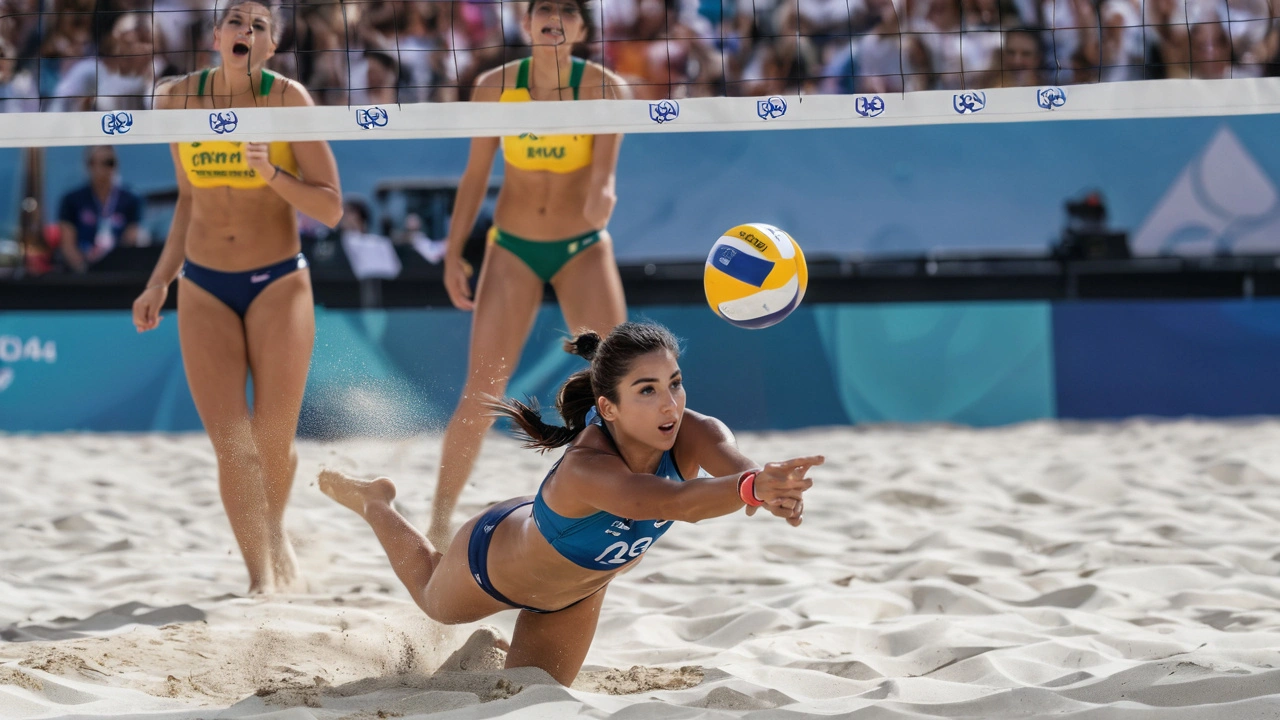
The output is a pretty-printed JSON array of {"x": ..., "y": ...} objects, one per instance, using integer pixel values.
[
  {"x": 869, "y": 106},
  {"x": 223, "y": 122},
  {"x": 117, "y": 123},
  {"x": 1051, "y": 98},
  {"x": 969, "y": 102},
  {"x": 664, "y": 111},
  {"x": 771, "y": 108},
  {"x": 370, "y": 118}
]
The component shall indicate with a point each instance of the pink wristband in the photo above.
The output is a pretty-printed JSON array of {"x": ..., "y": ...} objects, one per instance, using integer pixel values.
[{"x": 747, "y": 488}]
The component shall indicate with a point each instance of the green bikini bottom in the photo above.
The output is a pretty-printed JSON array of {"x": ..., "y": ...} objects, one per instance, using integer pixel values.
[{"x": 544, "y": 257}]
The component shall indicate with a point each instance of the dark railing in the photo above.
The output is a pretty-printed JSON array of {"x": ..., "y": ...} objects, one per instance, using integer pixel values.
[{"x": 910, "y": 279}]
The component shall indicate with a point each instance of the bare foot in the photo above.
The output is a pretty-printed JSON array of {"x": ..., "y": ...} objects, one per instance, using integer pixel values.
[
  {"x": 284, "y": 566},
  {"x": 355, "y": 494}
]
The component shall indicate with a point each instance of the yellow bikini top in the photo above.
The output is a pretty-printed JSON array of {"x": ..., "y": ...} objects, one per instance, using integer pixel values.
[
  {"x": 554, "y": 153},
  {"x": 219, "y": 163}
]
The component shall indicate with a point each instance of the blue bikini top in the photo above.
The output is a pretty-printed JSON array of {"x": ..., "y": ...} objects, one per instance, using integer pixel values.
[{"x": 601, "y": 541}]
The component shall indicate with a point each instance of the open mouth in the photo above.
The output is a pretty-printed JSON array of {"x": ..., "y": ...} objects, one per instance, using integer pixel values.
[
  {"x": 669, "y": 427},
  {"x": 554, "y": 33},
  {"x": 240, "y": 49}
]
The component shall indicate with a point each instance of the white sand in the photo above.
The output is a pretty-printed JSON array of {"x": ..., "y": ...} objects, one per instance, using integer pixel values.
[{"x": 1079, "y": 570}]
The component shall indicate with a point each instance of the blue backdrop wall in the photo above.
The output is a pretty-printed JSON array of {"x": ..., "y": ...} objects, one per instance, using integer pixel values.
[
  {"x": 873, "y": 191},
  {"x": 391, "y": 372}
]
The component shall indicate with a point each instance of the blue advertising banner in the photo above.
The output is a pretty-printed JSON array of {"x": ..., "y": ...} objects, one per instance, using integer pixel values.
[
  {"x": 396, "y": 372},
  {"x": 1120, "y": 359}
]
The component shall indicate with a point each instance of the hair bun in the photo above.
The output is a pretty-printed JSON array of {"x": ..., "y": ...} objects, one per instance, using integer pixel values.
[{"x": 584, "y": 345}]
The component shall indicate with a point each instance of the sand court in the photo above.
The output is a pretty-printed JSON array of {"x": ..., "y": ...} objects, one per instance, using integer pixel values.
[{"x": 1071, "y": 569}]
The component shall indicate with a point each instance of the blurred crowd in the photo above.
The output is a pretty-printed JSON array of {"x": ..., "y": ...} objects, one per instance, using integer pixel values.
[{"x": 109, "y": 54}]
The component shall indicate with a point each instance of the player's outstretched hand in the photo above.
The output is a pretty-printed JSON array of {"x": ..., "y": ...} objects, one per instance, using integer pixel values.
[{"x": 781, "y": 486}]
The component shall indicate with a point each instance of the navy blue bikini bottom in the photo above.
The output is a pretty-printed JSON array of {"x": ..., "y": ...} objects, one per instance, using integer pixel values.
[
  {"x": 478, "y": 552},
  {"x": 237, "y": 290}
]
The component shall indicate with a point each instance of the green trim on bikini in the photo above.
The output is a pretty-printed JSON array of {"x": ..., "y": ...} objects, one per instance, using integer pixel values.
[
  {"x": 268, "y": 79},
  {"x": 575, "y": 75},
  {"x": 546, "y": 257},
  {"x": 522, "y": 75}
]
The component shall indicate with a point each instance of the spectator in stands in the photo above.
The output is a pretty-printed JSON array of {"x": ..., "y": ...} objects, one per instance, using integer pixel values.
[
  {"x": 664, "y": 57},
  {"x": 17, "y": 89},
  {"x": 1021, "y": 60},
  {"x": 69, "y": 40},
  {"x": 961, "y": 48},
  {"x": 322, "y": 52},
  {"x": 121, "y": 79},
  {"x": 1168, "y": 39},
  {"x": 479, "y": 26},
  {"x": 1254, "y": 36},
  {"x": 432, "y": 250},
  {"x": 1122, "y": 51},
  {"x": 880, "y": 61},
  {"x": 20, "y": 27},
  {"x": 98, "y": 217},
  {"x": 1211, "y": 55},
  {"x": 787, "y": 65},
  {"x": 431, "y": 63},
  {"x": 178, "y": 24},
  {"x": 377, "y": 79},
  {"x": 371, "y": 256}
]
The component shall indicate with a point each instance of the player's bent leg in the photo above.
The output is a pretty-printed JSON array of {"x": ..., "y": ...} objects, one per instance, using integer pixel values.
[{"x": 556, "y": 642}]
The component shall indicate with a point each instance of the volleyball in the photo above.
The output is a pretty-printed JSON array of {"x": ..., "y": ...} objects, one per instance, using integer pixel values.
[{"x": 755, "y": 276}]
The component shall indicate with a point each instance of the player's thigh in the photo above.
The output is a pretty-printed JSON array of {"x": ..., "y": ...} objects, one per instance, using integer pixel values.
[
  {"x": 507, "y": 300},
  {"x": 216, "y": 361},
  {"x": 280, "y": 329},
  {"x": 556, "y": 642},
  {"x": 452, "y": 595},
  {"x": 589, "y": 290}
]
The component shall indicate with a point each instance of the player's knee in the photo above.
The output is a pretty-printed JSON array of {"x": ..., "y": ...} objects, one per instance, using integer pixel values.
[
  {"x": 435, "y": 607},
  {"x": 239, "y": 456}
]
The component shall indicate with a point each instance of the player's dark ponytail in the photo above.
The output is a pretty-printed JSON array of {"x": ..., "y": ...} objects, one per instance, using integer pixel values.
[{"x": 611, "y": 359}]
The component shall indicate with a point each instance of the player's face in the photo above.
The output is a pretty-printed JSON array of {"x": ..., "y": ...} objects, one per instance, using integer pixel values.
[
  {"x": 554, "y": 22},
  {"x": 651, "y": 400},
  {"x": 244, "y": 37}
]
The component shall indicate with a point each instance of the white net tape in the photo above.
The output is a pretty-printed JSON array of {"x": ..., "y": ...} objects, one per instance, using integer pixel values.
[{"x": 1138, "y": 99}]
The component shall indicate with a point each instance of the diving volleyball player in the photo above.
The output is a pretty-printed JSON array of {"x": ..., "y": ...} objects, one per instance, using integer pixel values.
[
  {"x": 244, "y": 303},
  {"x": 549, "y": 227},
  {"x": 631, "y": 468}
]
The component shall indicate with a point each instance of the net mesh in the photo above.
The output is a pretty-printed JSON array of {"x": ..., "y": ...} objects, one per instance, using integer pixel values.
[{"x": 111, "y": 55}]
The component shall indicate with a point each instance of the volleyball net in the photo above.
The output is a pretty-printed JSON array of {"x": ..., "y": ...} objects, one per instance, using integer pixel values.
[
  {"x": 393, "y": 67},
  {"x": 1182, "y": 158}
]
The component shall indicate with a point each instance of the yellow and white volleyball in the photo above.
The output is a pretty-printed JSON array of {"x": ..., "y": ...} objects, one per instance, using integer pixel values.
[{"x": 755, "y": 276}]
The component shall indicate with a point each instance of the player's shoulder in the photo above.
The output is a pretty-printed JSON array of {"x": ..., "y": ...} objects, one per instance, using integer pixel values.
[
  {"x": 600, "y": 82},
  {"x": 699, "y": 431},
  {"x": 699, "y": 422},
  {"x": 502, "y": 76},
  {"x": 490, "y": 83},
  {"x": 294, "y": 93},
  {"x": 174, "y": 91},
  {"x": 589, "y": 454}
]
